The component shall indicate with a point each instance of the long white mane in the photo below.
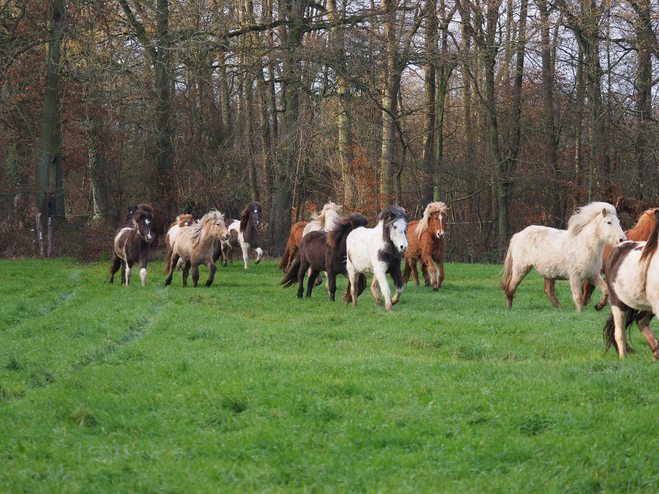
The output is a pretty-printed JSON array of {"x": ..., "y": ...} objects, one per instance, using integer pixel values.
[
  {"x": 586, "y": 214},
  {"x": 319, "y": 221}
]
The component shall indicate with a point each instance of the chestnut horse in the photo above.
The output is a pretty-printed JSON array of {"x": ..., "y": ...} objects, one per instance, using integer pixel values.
[
  {"x": 427, "y": 243},
  {"x": 640, "y": 233},
  {"x": 292, "y": 245},
  {"x": 196, "y": 245},
  {"x": 158, "y": 225},
  {"x": 632, "y": 275},
  {"x": 131, "y": 245}
]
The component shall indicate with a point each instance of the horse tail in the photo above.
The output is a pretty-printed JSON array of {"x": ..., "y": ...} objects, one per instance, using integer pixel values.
[
  {"x": 507, "y": 267},
  {"x": 290, "y": 278},
  {"x": 649, "y": 250},
  {"x": 285, "y": 257},
  {"x": 609, "y": 331},
  {"x": 168, "y": 259}
]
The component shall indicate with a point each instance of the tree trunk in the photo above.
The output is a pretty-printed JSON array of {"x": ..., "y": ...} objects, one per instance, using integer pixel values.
[
  {"x": 387, "y": 160},
  {"x": 429, "y": 142}
]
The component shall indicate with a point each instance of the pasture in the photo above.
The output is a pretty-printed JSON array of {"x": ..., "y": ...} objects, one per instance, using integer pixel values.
[{"x": 241, "y": 387}]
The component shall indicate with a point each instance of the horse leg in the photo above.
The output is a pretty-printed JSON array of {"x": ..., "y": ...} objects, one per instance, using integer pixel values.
[
  {"x": 376, "y": 292},
  {"x": 331, "y": 284},
  {"x": 304, "y": 267},
  {"x": 440, "y": 269},
  {"x": 601, "y": 284},
  {"x": 620, "y": 333},
  {"x": 575, "y": 285},
  {"x": 351, "y": 292},
  {"x": 143, "y": 259},
  {"x": 259, "y": 255},
  {"x": 186, "y": 272},
  {"x": 430, "y": 268},
  {"x": 211, "y": 276},
  {"x": 225, "y": 253},
  {"x": 380, "y": 278},
  {"x": 195, "y": 274},
  {"x": 415, "y": 272},
  {"x": 173, "y": 261},
  {"x": 407, "y": 270},
  {"x": 319, "y": 281},
  {"x": 398, "y": 282},
  {"x": 312, "y": 281},
  {"x": 245, "y": 248},
  {"x": 643, "y": 323},
  {"x": 129, "y": 272},
  {"x": 114, "y": 267},
  {"x": 550, "y": 291},
  {"x": 588, "y": 289},
  {"x": 424, "y": 271},
  {"x": 516, "y": 278}
]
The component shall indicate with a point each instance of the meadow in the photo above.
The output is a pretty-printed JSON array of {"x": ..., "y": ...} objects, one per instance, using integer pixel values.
[{"x": 241, "y": 387}]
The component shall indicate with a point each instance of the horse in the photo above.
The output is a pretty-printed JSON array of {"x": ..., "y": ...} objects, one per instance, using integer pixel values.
[
  {"x": 379, "y": 251},
  {"x": 196, "y": 245},
  {"x": 322, "y": 251},
  {"x": 243, "y": 234},
  {"x": 131, "y": 244},
  {"x": 574, "y": 254},
  {"x": 325, "y": 221},
  {"x": 427, "y": 243},
  {"x": 159, "y": 220},
  {"x": 639, "y": 233},
  {"x": 182, "y": 220},
  {"x": 632, "y": 276},
  {"x": 632, "y": 206}
]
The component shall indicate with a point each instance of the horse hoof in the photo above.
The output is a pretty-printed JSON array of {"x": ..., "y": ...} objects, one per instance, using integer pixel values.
[{"x": 598, "y": 307}]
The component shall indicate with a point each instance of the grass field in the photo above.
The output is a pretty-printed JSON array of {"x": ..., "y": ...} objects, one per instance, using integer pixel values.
[{"x": 241, "y": 387}]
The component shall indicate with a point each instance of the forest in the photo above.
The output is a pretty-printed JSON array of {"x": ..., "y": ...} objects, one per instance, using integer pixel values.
[{"x": 512, "y": 112}]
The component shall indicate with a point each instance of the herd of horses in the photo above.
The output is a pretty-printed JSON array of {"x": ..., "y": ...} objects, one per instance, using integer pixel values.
[{"x": 594, "y": 244}]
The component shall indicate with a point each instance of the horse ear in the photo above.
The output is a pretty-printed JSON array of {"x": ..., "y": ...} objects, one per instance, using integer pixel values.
[{"x": 604, "y": 212}]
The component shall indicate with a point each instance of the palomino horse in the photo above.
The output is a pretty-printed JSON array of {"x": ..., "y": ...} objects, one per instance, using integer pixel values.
[
  {"x": 321, "y": 251},
  {"x": 196, "y": 245},
  {"x": 640, "y": 233},
  {"x": 427, "y": 243},
  {"x": 379, "y": 251},
  {"x": 243, "y": 234},
  {"x": 632, "y": 275},
  {"x": 158, "y": 225},
  {"x": 574, "y": 254},
  {"x": 323, "y": 221},
  {"x": 632, "y": 206},
  {"x": 131, "y": 244}
]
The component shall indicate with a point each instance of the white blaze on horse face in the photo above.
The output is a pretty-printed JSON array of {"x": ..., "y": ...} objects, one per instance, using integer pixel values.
[
  {"x": 440, "y": 233},
  {"x": 398, "y": 234}
]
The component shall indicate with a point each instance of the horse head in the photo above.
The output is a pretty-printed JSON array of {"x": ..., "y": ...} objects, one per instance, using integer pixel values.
[
  {"x": 394, "y": 226},
  {"x": 433, "y": 220},
  {"x": 142, "y": 221},
  {"x": 184, "y": 220},
  {"x": 252, "y": 212},
  {"x": 610, "y": 228},
  {"x": 215, "y": 221}
]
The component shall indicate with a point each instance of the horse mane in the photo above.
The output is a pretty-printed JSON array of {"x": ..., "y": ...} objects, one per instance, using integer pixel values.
[
  {"x": 432, "y": 208},
  {"x": 246, "y": 214},
  {"x": 197, "y": 228},
  {"x": 649, "y": 250},
  {"x": 586, "y": 214},
  {"x": 391, "y": 215},
  {"x": 355, "y": 220},
  {"x": 320, "y": 217},
  {"x": 646, "y": 217},
  {"x": 141, "y": 211}
]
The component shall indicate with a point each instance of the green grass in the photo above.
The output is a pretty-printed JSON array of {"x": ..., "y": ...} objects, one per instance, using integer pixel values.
[{"x": 241, "y": 387}]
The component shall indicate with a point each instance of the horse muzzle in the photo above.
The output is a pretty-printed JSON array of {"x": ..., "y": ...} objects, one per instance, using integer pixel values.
[
  {"x": 441, "y": 235},
  {"x": 149, "y": 237},
  {"x": 402, "y": 248}
]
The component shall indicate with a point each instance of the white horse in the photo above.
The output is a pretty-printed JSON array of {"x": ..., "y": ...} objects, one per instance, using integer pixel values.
[
  {"x": 574, "y": 254},
  {"x": 632, "y": 276},
  {"x": 379, "y": 251}
]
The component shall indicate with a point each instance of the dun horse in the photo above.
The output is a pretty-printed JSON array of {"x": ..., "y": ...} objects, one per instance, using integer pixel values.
[
  {"x": 379, "y": 251},
  {"x": 196, "y": 245},
  {"x": 243, "y": 233},
  {"x": 574, "y": 254},
  {"x": 640, "y": 232},
  {"x": 131, "y": 245},
  {"x": 427, "y": 243},
  {"x": 321, "y": 251},
  {"x": 632, "y": 275},
  {"x": 182, "y": 221}
]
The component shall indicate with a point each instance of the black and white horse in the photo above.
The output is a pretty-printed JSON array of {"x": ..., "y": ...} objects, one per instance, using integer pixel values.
[
  {"x": 379, "y": 251},
  {"x": 243, "y": 233},
  {"x": 131, "y": 245}
]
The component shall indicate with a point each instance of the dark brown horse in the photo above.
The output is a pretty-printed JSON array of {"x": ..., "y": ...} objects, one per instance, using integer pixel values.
[
  {"x": 292, "y": 245},
  {"x": 158, "y": 227},
  {"x": 243, "y": 234},
  {"x": 196, "y": 245},
  {"x": 427, "y": 243},
  {"x": 131, "y": 245},
  {"x": 640, "y": 233},
  {"x": 321, "y": 251},
  {"x": 632, "y": 206}
]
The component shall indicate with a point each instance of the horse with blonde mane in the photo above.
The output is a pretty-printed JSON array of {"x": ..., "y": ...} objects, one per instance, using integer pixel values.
[
  {"x": 632, "y": 276},
  {"x": 574, "y": 254},
  {"x": 196, "y": 245},
  {"x": 427, "y": 243}
]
